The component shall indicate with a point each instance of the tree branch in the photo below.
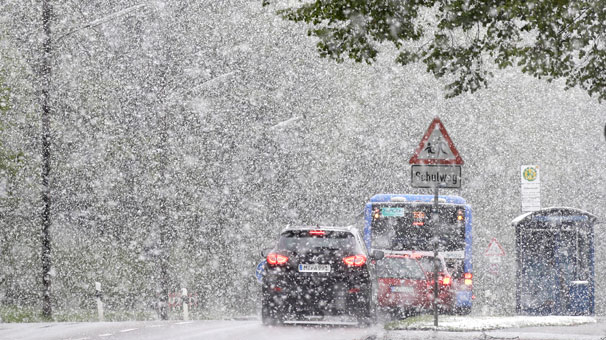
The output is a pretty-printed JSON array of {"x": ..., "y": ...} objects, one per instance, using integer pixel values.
[{"x": 102, "y": 20}]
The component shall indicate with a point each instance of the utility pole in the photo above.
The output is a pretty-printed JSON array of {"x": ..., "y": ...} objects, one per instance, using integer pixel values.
[
  {"x": 45, "y": 74},
  {"x": 164, "y": 223},
  {"x": 435, "y": 217}
]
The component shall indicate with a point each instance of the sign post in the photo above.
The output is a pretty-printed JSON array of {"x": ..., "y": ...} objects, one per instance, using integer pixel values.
[
  {"x": 185, "y": 301},
  {"x": 436, "y": 163},
  {"x": 98, "y": 297},
  {"x": 260, "y": 271},
  {"x": 494, "y": 254}
]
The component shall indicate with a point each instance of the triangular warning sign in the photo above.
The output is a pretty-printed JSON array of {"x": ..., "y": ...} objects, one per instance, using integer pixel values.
[
  {"x": 436, "y": 147},
  {"x": 494, "y": 249}
]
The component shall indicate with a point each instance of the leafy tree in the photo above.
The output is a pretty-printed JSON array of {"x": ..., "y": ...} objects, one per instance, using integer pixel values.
[
  {"x": 8, "y": 159},
  {"x": 460, "y": 39}
]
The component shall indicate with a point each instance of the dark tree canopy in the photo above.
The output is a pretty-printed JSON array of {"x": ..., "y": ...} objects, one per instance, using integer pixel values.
[{"x": 461, "y": 39}]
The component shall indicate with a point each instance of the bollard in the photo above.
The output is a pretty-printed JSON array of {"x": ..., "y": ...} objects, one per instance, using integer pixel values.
[
  {"x": 99, "y": 302},
  {"x": 185, "y": 300}
]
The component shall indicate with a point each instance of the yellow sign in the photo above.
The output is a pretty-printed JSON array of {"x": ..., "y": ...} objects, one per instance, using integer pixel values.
[{"x": 530, "y": 174}]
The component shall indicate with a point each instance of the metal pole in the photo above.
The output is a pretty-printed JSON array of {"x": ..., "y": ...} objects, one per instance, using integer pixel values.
[
  {"x": 435, "y": 216},
  {"x": 45, "y": 72}
]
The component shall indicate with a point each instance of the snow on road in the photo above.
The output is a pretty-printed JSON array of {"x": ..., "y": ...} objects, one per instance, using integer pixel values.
[
  {"x": 482, "y": 323},
  {"x": 552, "y": 328},
  {"x": 195, "y": 330}
]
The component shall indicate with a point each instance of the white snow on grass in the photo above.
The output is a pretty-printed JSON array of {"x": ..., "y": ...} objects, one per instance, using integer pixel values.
[{"x": 482, "y": 323}]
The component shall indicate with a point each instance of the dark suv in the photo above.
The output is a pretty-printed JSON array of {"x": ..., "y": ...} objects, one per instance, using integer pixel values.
[{"x": 319, "y": 271}]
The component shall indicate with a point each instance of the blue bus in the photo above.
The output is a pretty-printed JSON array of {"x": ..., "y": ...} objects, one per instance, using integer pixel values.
[{"x": 394, "y": 222}]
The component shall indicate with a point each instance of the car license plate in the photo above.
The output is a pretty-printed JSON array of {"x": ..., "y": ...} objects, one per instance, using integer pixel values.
[
  {"x": 314, "y": 268},
  {"x": 402, "y": 289}
]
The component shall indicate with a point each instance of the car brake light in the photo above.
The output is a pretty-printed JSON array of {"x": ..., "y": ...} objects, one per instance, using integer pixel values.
[
  {"x": 468, "y": 277},
  {"x": 276, "y": 259},
  {"x": 446, "y": 280},
  {"x": 355, "y": 260},
  {"x": 317, "y": 232}
]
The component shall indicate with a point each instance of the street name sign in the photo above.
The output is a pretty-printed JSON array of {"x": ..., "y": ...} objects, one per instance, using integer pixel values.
[{"x": 428, "y": 176}]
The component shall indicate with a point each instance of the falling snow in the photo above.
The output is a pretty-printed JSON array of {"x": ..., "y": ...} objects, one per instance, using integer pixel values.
[{"x": 187, "y": 134}]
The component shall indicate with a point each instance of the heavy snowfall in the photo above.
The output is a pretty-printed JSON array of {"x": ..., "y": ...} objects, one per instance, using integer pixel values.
[{"x": 185, "y": 135}]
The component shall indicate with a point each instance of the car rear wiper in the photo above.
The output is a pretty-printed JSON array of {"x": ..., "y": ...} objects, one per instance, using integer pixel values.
[{"x": 325, "y": 248}]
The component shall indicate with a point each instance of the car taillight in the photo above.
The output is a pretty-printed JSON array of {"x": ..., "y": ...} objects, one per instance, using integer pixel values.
[
  {"x": 446, "y": 280},
  {"x": 317, "y": 232},
  {"x": 355, "y": 260},
  {"x": 276, "y": 259},
  {"x": 468, "y": 277}
]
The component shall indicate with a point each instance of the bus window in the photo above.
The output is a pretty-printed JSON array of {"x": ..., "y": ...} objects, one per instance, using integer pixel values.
[{"x": 409, "y": 227}]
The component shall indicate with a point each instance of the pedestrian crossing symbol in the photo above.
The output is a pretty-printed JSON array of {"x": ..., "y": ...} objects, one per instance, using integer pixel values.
[{"x": 436, "y": 147}]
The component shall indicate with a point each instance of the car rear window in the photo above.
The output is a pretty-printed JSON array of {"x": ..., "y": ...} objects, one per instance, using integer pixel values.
[
  {"x": 455, "y": 267},
  {"x": 427, "y": 264},
  {"x": 400, "y": 267},
  {"x": 301, "y": 240}
]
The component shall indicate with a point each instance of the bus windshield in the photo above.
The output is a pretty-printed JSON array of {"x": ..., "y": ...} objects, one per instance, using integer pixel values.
[{"x": 405, "y": 226}]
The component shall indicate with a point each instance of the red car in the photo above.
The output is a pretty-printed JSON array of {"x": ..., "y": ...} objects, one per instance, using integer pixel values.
[
  {"x": 446, "y": 291},
  {"x": 406, "y": 283},
  {"x": 404, "y": 288}
]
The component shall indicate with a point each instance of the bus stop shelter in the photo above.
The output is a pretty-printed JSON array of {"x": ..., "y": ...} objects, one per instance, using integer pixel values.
[{"x": 555, "y": 262}]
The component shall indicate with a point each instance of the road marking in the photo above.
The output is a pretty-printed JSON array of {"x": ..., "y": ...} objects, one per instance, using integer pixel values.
[
  {"x": 128, "y": 330},
  {"x": 229, "y": 327},
  {"x": 106, "y": 334},
  {"x": 184, "y": 322}
]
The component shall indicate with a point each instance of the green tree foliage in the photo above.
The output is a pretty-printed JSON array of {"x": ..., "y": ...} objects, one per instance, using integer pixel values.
[
  {"x": 8, "y": 159},
  {"x": 460, "y": 39}
]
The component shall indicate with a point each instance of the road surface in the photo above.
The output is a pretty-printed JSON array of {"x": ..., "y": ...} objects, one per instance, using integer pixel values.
[
  {"x": 254, "y": 330},
  {"x": 182, "y": 330}
]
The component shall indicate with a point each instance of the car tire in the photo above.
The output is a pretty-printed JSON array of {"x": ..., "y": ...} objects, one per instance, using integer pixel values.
[
  {"x": 268, "y": 311},
  {"x": 267, "y": 316},
  {"x": 463, "y": 310},
  {"x": 367, "y": 316}
]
